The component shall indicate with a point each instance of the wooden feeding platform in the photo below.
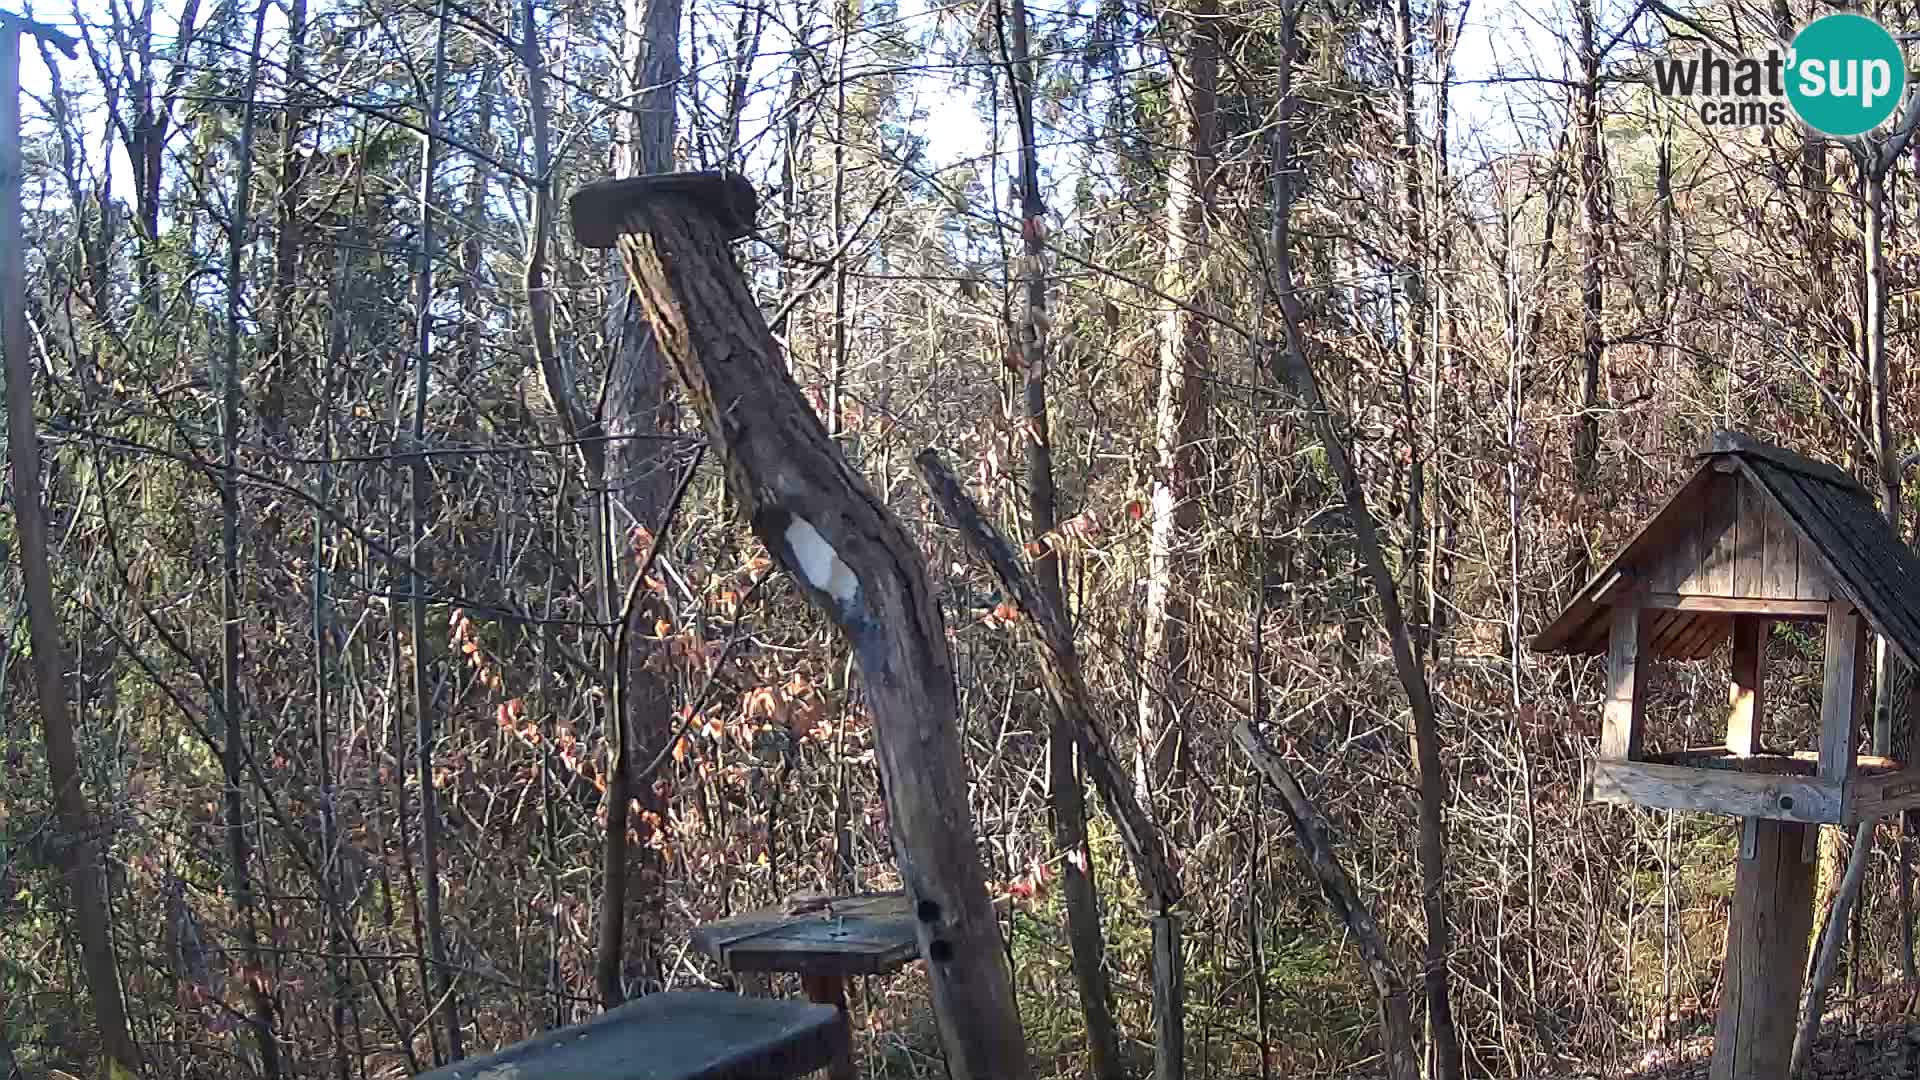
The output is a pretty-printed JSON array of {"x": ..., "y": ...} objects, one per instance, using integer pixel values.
[
  {"x": 674, "y": 1036},
  {"x": 1785, "y": 785},
  {"x": 823, "y": 939},
  {"x": 1756, "y": 535}
]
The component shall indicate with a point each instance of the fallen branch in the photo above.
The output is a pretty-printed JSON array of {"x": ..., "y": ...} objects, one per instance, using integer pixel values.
[
  {"x": 1396, "y": 1017},
  {"x": 1060, "y": 671}
]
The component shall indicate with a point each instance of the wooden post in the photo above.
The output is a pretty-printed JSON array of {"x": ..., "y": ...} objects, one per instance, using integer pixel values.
[
  {"x": 1840, "y": 691},
  {"x": 846, "y": 552},
  {"x": 1620, "y": 726},
  {"x": 1768, "y": 931},
  {"x": 1745, "y": 697},
  {"x": 1169, "y": 996},
  {"x": 832, "y": 990}
]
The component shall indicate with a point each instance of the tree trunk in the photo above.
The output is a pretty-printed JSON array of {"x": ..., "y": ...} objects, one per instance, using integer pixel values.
[
  {"x": 637, "y": 406},
  {"x": 79, "y": 850},
  {"x": 1289, "y": 366},
  {"x": 849, "y": 555},
  {"x": 1066, "y": 793},
  {"x": 1415, "y": 310},
  {"x": 231, "y": 713},
  {"x": 1586, "y": 437},
  {"x": 1052, "y": 636},
  {"x": 420, "y": 506},
  {"x": 1390, "y": 996},
  {"x": 1181, "y": 415}
]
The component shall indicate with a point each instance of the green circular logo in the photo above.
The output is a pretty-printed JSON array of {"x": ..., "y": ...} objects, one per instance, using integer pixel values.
[{"x": 1845, "y": 74}]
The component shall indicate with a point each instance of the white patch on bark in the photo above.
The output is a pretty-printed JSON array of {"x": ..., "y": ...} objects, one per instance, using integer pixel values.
[{"x": 821, "y": 565}]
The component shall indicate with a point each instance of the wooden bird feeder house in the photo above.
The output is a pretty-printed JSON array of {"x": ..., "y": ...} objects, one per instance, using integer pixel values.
[{"x": 1757, "y": 535}]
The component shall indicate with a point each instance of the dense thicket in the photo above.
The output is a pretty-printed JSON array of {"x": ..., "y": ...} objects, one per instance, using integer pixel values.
[{"x": 305, "y": 256}]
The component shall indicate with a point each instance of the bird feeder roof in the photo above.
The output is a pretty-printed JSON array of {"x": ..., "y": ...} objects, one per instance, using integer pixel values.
[{"x": 1755, "y": 530}]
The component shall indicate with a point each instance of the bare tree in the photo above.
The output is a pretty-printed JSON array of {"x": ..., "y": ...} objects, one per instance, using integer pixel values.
[{"x": 79, "y": 848}]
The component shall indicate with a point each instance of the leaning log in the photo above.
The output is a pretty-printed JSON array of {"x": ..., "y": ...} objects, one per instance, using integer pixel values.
[
  {"x": 1066, "y": 688},
  {"x": 1396, "y": 1016},
  {"x": 1146, "y": 848},
  {"x": 846, "y": 551}
]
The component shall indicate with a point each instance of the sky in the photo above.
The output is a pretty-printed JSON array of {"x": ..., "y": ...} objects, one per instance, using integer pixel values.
[{"x": 1502, "y": 39}]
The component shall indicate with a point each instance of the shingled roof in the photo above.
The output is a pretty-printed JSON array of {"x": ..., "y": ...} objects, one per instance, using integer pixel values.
[{"x": 1754, "y": 522}]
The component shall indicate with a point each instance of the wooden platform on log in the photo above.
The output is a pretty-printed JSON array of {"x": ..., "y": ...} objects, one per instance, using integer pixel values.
[{"x": 842, "y": 936}]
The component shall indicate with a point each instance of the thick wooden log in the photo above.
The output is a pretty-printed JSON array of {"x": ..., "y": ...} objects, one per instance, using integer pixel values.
[
  {"x": 848, "y": 553},
  {"x": 1768, "y": 931}
]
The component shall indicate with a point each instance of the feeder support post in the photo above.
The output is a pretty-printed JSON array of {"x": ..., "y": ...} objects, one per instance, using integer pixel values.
[{"x": 1620, "y": 722}]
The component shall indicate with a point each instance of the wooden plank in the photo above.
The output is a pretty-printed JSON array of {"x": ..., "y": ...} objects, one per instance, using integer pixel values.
[
  {"x": 1776, "y": 762},
  {"x": 1169, "y": 997},
  {"x": 1707, "y": 634},
  {"x": 840, "y": 947},
  {"x": 830, "y": 937},
  {"x": 1884, "y": 795},
  {"x": 1780, "y": 560},
  {"x": 1676, "y": 787},
  {"x": 674, "y": 1036},
  {"x": 1730, "y": 605},
  {"x": 1719, "y": 532},
  {"x": 1840, "y": 691},
  {"x": 1750, "y": 538},
  {"x": 1810, "y": 573},
  {"x": 1620, "y": 723},
  {"x": 1659, "y": 631},
  {"x": 1744, "y": 711},
  {"x": 1768, "y": 931}
]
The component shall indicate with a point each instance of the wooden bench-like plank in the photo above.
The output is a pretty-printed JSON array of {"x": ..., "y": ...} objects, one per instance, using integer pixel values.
[
  {"x": 674, "y": 1036},
  {"x": 864, "y": 935}
]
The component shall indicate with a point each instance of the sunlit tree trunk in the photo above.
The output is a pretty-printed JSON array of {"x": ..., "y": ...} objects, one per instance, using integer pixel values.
[
  {"x": 80, "y": 856},
  {"x": 1180, "y": 417}
]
